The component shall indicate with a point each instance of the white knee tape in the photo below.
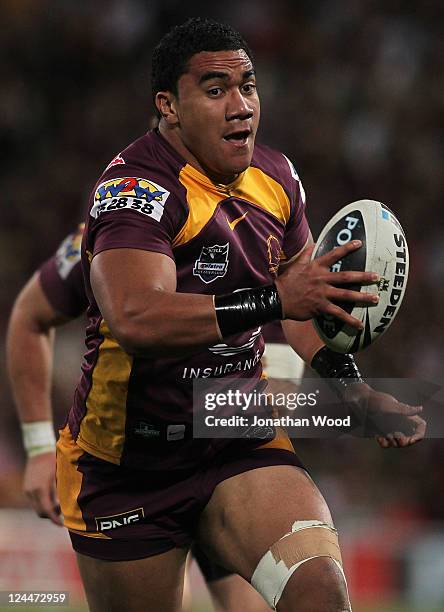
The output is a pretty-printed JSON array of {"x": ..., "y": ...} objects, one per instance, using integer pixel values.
[{"x": 306, "y": 540}]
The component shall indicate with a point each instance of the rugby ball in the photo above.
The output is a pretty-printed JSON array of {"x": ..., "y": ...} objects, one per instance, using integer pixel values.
[{"x": 384, "y": 250}]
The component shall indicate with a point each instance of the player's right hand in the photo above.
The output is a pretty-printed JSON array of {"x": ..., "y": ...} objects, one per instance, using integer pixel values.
[
  {"x": 308, "y": 288},
  {"x": 39, "y": 486}
]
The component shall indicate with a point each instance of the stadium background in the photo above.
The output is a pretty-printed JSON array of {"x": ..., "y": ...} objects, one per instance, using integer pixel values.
[{"x": 352, "y": 91}]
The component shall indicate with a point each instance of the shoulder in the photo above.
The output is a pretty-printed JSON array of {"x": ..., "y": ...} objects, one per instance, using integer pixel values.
[
  {"x": 276, "y": 165},
  {"x": 67, "y": 256},
  {"x": 61, "y": 277},
  {"x": 151, "y": 157},
  {"x": 144, "y": 178}
]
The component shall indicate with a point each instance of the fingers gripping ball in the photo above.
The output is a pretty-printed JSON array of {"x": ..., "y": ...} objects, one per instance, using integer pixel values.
[{"x": 384, "y": 251}]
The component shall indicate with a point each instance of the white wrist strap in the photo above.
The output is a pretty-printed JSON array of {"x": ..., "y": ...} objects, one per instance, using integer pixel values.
[{"x": 38, "y": 437}]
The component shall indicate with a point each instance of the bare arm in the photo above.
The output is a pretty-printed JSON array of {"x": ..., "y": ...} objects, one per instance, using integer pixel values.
[
  {"x": 364, "y": 402},
  {"x": 29, "y": 351},
  {"x": 136, "y": 293},
  {"x": 302, "y": 337}
]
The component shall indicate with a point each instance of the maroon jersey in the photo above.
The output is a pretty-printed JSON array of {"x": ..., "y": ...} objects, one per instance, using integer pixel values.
[
  {"x": 61, "y": 277},
  {"x": 273, "y": 333},
  {"x": 222, "y": 238}
]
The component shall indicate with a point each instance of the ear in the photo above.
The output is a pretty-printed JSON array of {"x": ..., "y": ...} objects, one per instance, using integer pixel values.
[{"x": 166, "y": 104}]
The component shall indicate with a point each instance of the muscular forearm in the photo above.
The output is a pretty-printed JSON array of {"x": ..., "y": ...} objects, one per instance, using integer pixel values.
[
  {"x": 136, "y": 294},
  {"x": 142, "y": 309},
  {"x": 302, "y": 337},
  {"x": 169, "y": 324},
  {"x": 29, "y": 349},
  {"x": 194, "y": 318},
  {"x": 29, "y": 357}
]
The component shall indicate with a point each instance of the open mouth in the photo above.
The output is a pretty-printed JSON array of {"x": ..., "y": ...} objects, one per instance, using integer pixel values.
[{"x": 239, "y": 136}]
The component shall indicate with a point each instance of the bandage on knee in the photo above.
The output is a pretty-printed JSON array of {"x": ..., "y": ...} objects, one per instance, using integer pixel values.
[{"x": 306, "y": 540}]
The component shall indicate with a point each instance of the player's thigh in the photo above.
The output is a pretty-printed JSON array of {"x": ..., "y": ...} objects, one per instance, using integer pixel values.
[
  {"x": 251, "y": 511},
  {"x": 232, "y": 593},
  {"x": 153, "y": 584}
]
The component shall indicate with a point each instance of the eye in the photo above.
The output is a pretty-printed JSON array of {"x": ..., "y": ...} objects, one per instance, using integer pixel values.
[
  {"x": 214, "y": 91},
  {"x": 249, "y": 88}
]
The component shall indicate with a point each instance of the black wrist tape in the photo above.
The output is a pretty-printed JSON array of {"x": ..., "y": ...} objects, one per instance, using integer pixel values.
[
  {"x": 339, "y": 369},
  {"x": 243, "y": 310}
]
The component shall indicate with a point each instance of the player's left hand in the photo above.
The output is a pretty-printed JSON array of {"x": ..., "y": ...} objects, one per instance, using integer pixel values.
[
  {"x": 39, "y": 486},
  {"x": 382, "y": 410}
]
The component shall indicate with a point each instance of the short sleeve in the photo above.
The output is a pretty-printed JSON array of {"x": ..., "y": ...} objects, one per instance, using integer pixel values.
[
  {"x": 134, "y": 212},
  {"x": 61, "y": 278},
  {"x": 297, "y": 229}
]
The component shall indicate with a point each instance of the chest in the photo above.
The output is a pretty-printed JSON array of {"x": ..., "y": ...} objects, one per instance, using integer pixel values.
[{"x": 238, "y": 246}]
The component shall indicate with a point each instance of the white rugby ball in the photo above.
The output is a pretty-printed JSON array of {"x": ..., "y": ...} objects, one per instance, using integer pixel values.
[{"x": 384, "y": 250}]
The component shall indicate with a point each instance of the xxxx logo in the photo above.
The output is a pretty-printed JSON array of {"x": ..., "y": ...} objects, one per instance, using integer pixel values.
[{"x": 137, "y": 194}]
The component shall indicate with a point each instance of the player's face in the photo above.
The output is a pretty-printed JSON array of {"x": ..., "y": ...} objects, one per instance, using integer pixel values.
[{"x": 218, "y": 112}]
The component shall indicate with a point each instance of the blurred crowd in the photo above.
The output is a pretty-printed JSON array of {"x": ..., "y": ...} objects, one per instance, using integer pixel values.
[{"x": 352, "y": 91}]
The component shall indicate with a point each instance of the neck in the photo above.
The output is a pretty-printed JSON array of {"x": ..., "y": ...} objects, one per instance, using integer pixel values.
[{"x": 172, "y": 136}]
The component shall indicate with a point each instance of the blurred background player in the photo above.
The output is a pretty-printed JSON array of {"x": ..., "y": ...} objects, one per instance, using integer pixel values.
[{"x": 52, "y": 297}]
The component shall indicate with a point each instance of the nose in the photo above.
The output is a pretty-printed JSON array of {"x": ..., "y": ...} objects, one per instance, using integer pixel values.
[{"x": 238, "y": 107}]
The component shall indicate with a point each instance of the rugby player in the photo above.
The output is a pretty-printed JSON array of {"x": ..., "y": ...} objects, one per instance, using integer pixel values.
[
  {"x": 180, "y": 223},
  {"x": 53, "y": 296}
]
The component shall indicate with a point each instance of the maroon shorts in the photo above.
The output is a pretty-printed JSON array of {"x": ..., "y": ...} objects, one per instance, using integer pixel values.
[{"x": 117, "y": 513}]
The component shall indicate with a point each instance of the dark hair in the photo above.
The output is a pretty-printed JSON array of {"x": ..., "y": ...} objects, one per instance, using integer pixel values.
[{"x": 172, "y": 54}]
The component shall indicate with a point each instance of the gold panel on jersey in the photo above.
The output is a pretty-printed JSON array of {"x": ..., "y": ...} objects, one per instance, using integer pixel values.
[
  {"x": 69, "y": 480},
  {"x": 102, "y": 431},
  {"x": 263, "y": 191},
  {"x": 203, "y": 198},
  {"x": 90, "y": 534}
]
